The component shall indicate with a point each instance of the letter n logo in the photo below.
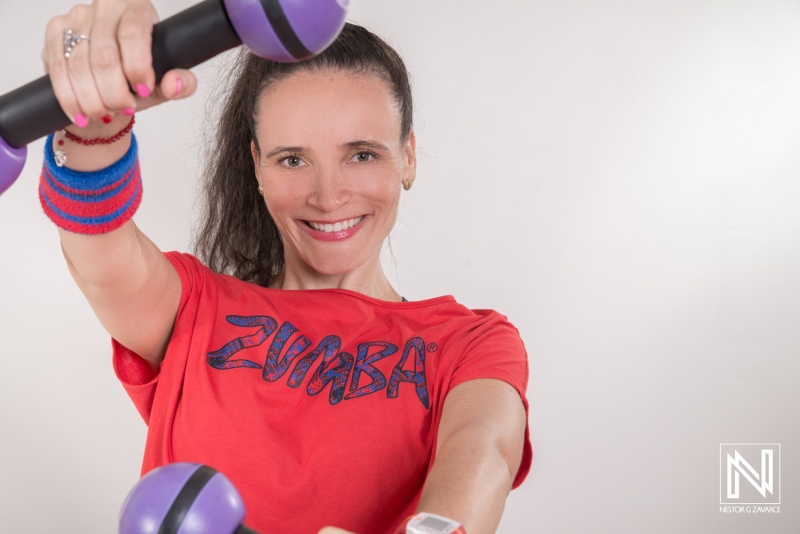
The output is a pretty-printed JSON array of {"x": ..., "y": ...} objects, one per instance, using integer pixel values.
[{"x": 749, "y": 473}]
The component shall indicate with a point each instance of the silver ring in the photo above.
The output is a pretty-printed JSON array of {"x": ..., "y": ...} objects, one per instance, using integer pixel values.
[{"x": 70, "y": 40}]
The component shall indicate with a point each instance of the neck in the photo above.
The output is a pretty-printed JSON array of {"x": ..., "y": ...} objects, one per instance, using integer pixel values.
[{"x": 367, "y": 279}]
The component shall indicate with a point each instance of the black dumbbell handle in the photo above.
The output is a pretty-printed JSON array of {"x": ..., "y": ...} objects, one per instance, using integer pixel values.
[
  {"x": 244, "y": 530},
  {"x": 182, "y": 41}
]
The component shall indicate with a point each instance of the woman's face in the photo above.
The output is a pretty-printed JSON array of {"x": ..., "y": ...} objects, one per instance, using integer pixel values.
[{"x": 332, "y": 165}]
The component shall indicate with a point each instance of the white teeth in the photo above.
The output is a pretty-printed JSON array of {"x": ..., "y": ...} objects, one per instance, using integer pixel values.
[{"x": 336, "y": 227}]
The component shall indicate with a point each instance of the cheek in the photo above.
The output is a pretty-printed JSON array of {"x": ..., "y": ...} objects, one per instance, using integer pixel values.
[
  {"x": 378, "y": 185},
  {"x": 283, "y": 200}
]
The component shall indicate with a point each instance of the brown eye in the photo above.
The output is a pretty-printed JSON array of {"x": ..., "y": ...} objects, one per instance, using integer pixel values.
[
  {"x": 291, "y": 161},
  {"x": 363, "y": 157}
]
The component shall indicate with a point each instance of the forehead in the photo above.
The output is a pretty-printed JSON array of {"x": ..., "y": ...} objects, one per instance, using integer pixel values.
[{"x": 327, "y": 105}]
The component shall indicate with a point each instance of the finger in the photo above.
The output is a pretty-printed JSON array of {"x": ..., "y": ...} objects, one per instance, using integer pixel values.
[
  {"x": 178, "y": 83},
  {"x": 135, "y": 37},
  {"x": 56, "y": 67},
  {"x": 175, "y": 85},
  {"x": 82, "y": 79},
  {"x": 106, "y": 62}
]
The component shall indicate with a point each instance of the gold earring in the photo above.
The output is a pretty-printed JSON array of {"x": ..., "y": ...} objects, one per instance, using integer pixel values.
[
  {"x": 407, "y": 184},
  {"x": 260, "y": 190}
]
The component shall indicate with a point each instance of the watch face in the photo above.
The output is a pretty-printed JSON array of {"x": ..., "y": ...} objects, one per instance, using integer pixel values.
[
  {"x": 426, "y": 523},
  {"x": 436, "y": 525}
]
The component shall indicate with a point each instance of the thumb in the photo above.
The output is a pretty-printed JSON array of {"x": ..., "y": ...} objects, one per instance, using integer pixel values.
[
  {"x": 334, "y": 530},
  {"x": 175, "y": 85}
]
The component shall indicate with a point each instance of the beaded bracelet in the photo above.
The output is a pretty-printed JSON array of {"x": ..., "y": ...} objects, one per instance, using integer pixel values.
[
  {"x": 61, "y": 156},
  {"x": 90, "y": 202}
]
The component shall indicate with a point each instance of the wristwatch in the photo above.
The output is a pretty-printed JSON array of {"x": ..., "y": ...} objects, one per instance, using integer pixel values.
[{"x": 425, "y": 523}]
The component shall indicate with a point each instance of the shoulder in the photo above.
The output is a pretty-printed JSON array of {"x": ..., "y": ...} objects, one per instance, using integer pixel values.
[
  {"x": 480, "y": 323},
  {"x": 194, "y": 273},
  {"x": 183, "y": 261},
  {"x": 488, "y": 345},
  {"x": 187, "y": 265}
]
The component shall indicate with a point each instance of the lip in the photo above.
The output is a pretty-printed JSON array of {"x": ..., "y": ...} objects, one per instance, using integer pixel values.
[{"x": 333, "y": 236}]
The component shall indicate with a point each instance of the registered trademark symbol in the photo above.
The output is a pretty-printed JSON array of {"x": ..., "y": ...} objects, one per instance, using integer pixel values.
[{"x": 433, "y": 347}]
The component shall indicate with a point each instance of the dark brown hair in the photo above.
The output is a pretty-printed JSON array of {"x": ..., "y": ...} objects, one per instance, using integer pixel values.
[{"x": 237, "y": 235}]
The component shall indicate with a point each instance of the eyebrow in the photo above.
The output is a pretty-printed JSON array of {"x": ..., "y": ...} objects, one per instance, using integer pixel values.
[
  {"x": 351, "y": 144},
  {"x": 367, "y": 144},
  {"x": 279, "y": 149}
]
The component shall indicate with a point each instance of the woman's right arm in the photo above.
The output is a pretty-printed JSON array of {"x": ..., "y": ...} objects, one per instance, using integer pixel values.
[{"x": 129, "y": 283}]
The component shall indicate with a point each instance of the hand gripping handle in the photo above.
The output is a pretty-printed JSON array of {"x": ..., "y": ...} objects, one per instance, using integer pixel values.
[{"x": 181, "y": 41}]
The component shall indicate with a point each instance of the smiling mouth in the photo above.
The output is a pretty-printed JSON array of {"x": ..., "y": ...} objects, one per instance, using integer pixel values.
[{"x": 334, "y": 227}]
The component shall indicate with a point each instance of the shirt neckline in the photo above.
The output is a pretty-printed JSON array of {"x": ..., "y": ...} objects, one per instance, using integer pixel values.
[{"x": 372, "y": 300}]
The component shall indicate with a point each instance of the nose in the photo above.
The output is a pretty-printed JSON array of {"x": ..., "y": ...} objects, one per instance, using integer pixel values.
[{"x": 329, "y": 189}]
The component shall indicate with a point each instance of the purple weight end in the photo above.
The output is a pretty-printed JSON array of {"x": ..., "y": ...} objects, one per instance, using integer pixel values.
[
  {"x": 316, "y": 22},
  {"x": 255, "y": 31},
  {"x": 293, "y": 31},
  {"x": 12, "y": 160},
  {"x": 218, "y": 509},
  {"x": 151, "y": 498}
]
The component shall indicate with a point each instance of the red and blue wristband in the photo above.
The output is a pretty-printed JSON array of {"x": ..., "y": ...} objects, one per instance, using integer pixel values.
[{"x": 91, "y": 202}]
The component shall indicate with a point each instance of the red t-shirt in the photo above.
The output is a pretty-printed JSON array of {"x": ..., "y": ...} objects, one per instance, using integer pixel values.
[{"x": 321, "y": 406}]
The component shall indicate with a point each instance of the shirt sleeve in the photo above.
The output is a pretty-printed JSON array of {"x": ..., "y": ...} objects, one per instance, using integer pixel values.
[
  {"x": 495, "y": 350},
  {"x": 137, "y": 376}
]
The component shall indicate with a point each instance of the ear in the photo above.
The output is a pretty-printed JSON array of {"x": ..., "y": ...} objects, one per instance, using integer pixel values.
[
  {"x": 410, "y": 158},
  {"x": 254, "y": 152}
]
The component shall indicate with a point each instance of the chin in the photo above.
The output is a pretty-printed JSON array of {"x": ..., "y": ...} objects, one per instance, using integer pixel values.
[
  {"x": 333, "y": 268},
  {"x": 335, "y": 259}
]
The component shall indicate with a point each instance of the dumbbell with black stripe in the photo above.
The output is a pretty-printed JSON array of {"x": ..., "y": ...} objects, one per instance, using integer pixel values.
[{"x": 183, "y": 498}]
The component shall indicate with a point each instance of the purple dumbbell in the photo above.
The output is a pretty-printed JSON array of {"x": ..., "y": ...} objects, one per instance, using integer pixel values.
[
  {"x": 280, "y": 30},
  {"x": 12, "y": 160},
  {"x": 183, "y": 498}
]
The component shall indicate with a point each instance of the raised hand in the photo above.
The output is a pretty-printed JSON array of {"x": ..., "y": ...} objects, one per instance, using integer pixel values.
[{"x": 93, "y": 85}]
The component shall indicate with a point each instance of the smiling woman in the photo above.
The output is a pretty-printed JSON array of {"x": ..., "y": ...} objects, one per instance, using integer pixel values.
[
  {"x": 281, "y": 355},
  {"x": 329, "y": 140},
  {"x": 334, "y": 199}
]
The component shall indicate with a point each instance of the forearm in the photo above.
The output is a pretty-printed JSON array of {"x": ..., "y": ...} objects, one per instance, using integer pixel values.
[
  {"x": 469, "y": 482},
  {"x": 96, "y": 258},
  {"x": 130, "y": 285},
  {"x": 136, "y": 298}
]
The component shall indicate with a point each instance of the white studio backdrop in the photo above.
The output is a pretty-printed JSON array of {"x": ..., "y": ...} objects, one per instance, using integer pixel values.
[{"x": 621, "y": 178}]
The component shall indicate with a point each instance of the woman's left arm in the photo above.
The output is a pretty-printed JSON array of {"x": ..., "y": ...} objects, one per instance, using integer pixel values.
[{"x": 478, "y": 451}]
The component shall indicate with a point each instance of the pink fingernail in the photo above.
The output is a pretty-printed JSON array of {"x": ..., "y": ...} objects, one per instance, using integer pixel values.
[
  {"x": 81, "y": 120},
  {"x": 129, "y": 111},
  {"x": 143, "y": 90},
  {"x": 178, "y": 86}
]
